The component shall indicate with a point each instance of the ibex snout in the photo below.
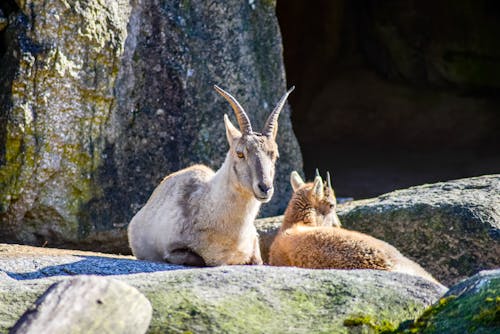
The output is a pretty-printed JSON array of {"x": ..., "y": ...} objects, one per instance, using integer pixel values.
[{"x": 264, "y": 191}]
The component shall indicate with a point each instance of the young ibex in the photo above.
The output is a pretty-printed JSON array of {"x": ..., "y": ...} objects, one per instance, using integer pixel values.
[
  {"x": 198, "y": 217},
  {"x": 311, "y": 236}
]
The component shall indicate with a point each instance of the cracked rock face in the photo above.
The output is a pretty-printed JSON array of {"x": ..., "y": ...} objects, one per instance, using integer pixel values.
[{"x": 106, "y": 98}]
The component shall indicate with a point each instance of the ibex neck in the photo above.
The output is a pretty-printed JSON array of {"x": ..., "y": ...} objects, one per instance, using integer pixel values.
[
  {"x": 295, "y": 212},
  {"x": 237, "y": 205}
]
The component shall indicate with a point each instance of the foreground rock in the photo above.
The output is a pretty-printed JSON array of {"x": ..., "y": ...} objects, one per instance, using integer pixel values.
[
  {"x": 104, "y": 98},
  {"x": 87, "y": 304},
  {"x": 472, "y": 306},
  {"x": 236, "y": 299},
  {"x": 451, "y": 228}
]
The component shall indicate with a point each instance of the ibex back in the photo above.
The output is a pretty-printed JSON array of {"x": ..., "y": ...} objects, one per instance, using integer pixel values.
[
  {"x": 198, "y": 217},
  {"x": 311, "y": 236}
]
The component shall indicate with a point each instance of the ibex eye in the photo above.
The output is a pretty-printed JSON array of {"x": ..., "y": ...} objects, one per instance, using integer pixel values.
[{"x": 240, "y": 155}]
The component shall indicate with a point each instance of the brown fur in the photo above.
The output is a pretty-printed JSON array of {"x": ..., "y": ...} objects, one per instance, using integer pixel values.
[{"x": 303, "y": 242}]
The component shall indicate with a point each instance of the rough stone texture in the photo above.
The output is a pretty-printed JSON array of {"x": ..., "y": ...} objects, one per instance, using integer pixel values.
[
  {"x": 451, "y": 228},
  {"x": 267, "y": 229},
  {"x": 109, "y": 97},
  {"x": 60, "y": 68},
  {"x": 472, "y": 306},
  {"x": 87, "y": 304},
  {"x": 235, "y": 299}
]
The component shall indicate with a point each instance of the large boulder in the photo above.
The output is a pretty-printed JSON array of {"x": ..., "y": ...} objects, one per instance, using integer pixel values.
[
  {"x": 472, "y": 306},
  {"x": 450, "y": 228},
  {"x": 230, "y": 299},
  {"x": 103, "y": 99}
]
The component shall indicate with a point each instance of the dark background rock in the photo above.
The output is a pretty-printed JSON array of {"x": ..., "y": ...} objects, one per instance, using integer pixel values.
[
  {"x": 451, "y": 228},
  {"x": 101, "y": 100},
  {"x": 228, "y": 299},
  {"x": 394, "y": 93},
  {"x": 87, "y": 304}
]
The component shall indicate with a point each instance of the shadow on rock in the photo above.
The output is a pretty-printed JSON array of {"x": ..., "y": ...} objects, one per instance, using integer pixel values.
[{"x": 91, "y": 265}]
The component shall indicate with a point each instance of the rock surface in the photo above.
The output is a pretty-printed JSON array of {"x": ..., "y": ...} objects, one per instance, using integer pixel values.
[
  {"x": 472, "y": 306},
  {"x": 106, "y": 98},
  {"x": 451, "y": 228},
  {"x": 235, "y": 299},
  {"x": 87, "y": 304}
]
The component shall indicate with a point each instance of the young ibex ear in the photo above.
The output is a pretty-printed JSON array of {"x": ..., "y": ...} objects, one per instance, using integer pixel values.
[
  {"x": 296, "y": 181},
  {"x": 231, "y": 132},
  {"x": 318, "y": 188},
  {"x": 271, "y": 127}
]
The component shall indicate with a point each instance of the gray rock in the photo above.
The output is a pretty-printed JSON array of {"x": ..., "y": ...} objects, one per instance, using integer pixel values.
[
  {"x": 87, "y": 304},
  {"x": 233, "y": 299},
  {"x": 450, "y": 228},
  {"x": 109, "y": 97}
]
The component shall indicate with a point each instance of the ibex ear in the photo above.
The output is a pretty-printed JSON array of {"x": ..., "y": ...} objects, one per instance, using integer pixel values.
[
  {"x": 318, "y": 188},
  {"x": 232, "y": 132},
  {"x": 296, "y": 181}
]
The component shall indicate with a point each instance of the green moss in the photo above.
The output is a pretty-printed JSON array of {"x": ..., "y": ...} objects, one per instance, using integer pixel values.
[
  {"x": 425, "y": 320},
  {"x": 489, "y": 314},
  {"x": 268, "y": 3},
  {"x": 375, "y": 325},
  {"x": 19, "y": 164}
]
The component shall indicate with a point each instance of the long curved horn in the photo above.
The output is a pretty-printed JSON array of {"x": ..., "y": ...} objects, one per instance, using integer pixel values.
[
  {"x": 241, "y": 116},
  {"x": 329, "y": 184},
  {"x": 317, "y": 173},
  {"x": 273, "y": 118}
]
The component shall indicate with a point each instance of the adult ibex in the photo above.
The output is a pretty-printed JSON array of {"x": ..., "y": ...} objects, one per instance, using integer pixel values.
[
  {"x": 311, "y": 236},
  {"x": 198, "y": 217}
]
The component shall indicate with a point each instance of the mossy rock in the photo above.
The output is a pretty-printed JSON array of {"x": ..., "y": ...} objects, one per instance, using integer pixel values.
[
  {"x": 231, "y": 299},
  {"x": 472, "y": 306}
]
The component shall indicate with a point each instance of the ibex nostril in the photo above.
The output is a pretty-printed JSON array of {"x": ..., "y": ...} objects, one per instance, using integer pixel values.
[{"x": 264, "y": 188}]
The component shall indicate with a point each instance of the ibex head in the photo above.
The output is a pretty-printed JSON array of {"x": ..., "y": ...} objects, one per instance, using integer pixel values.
[
  {"x": 316, "y": 200},
  {"x": 253, "y": 154}
]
